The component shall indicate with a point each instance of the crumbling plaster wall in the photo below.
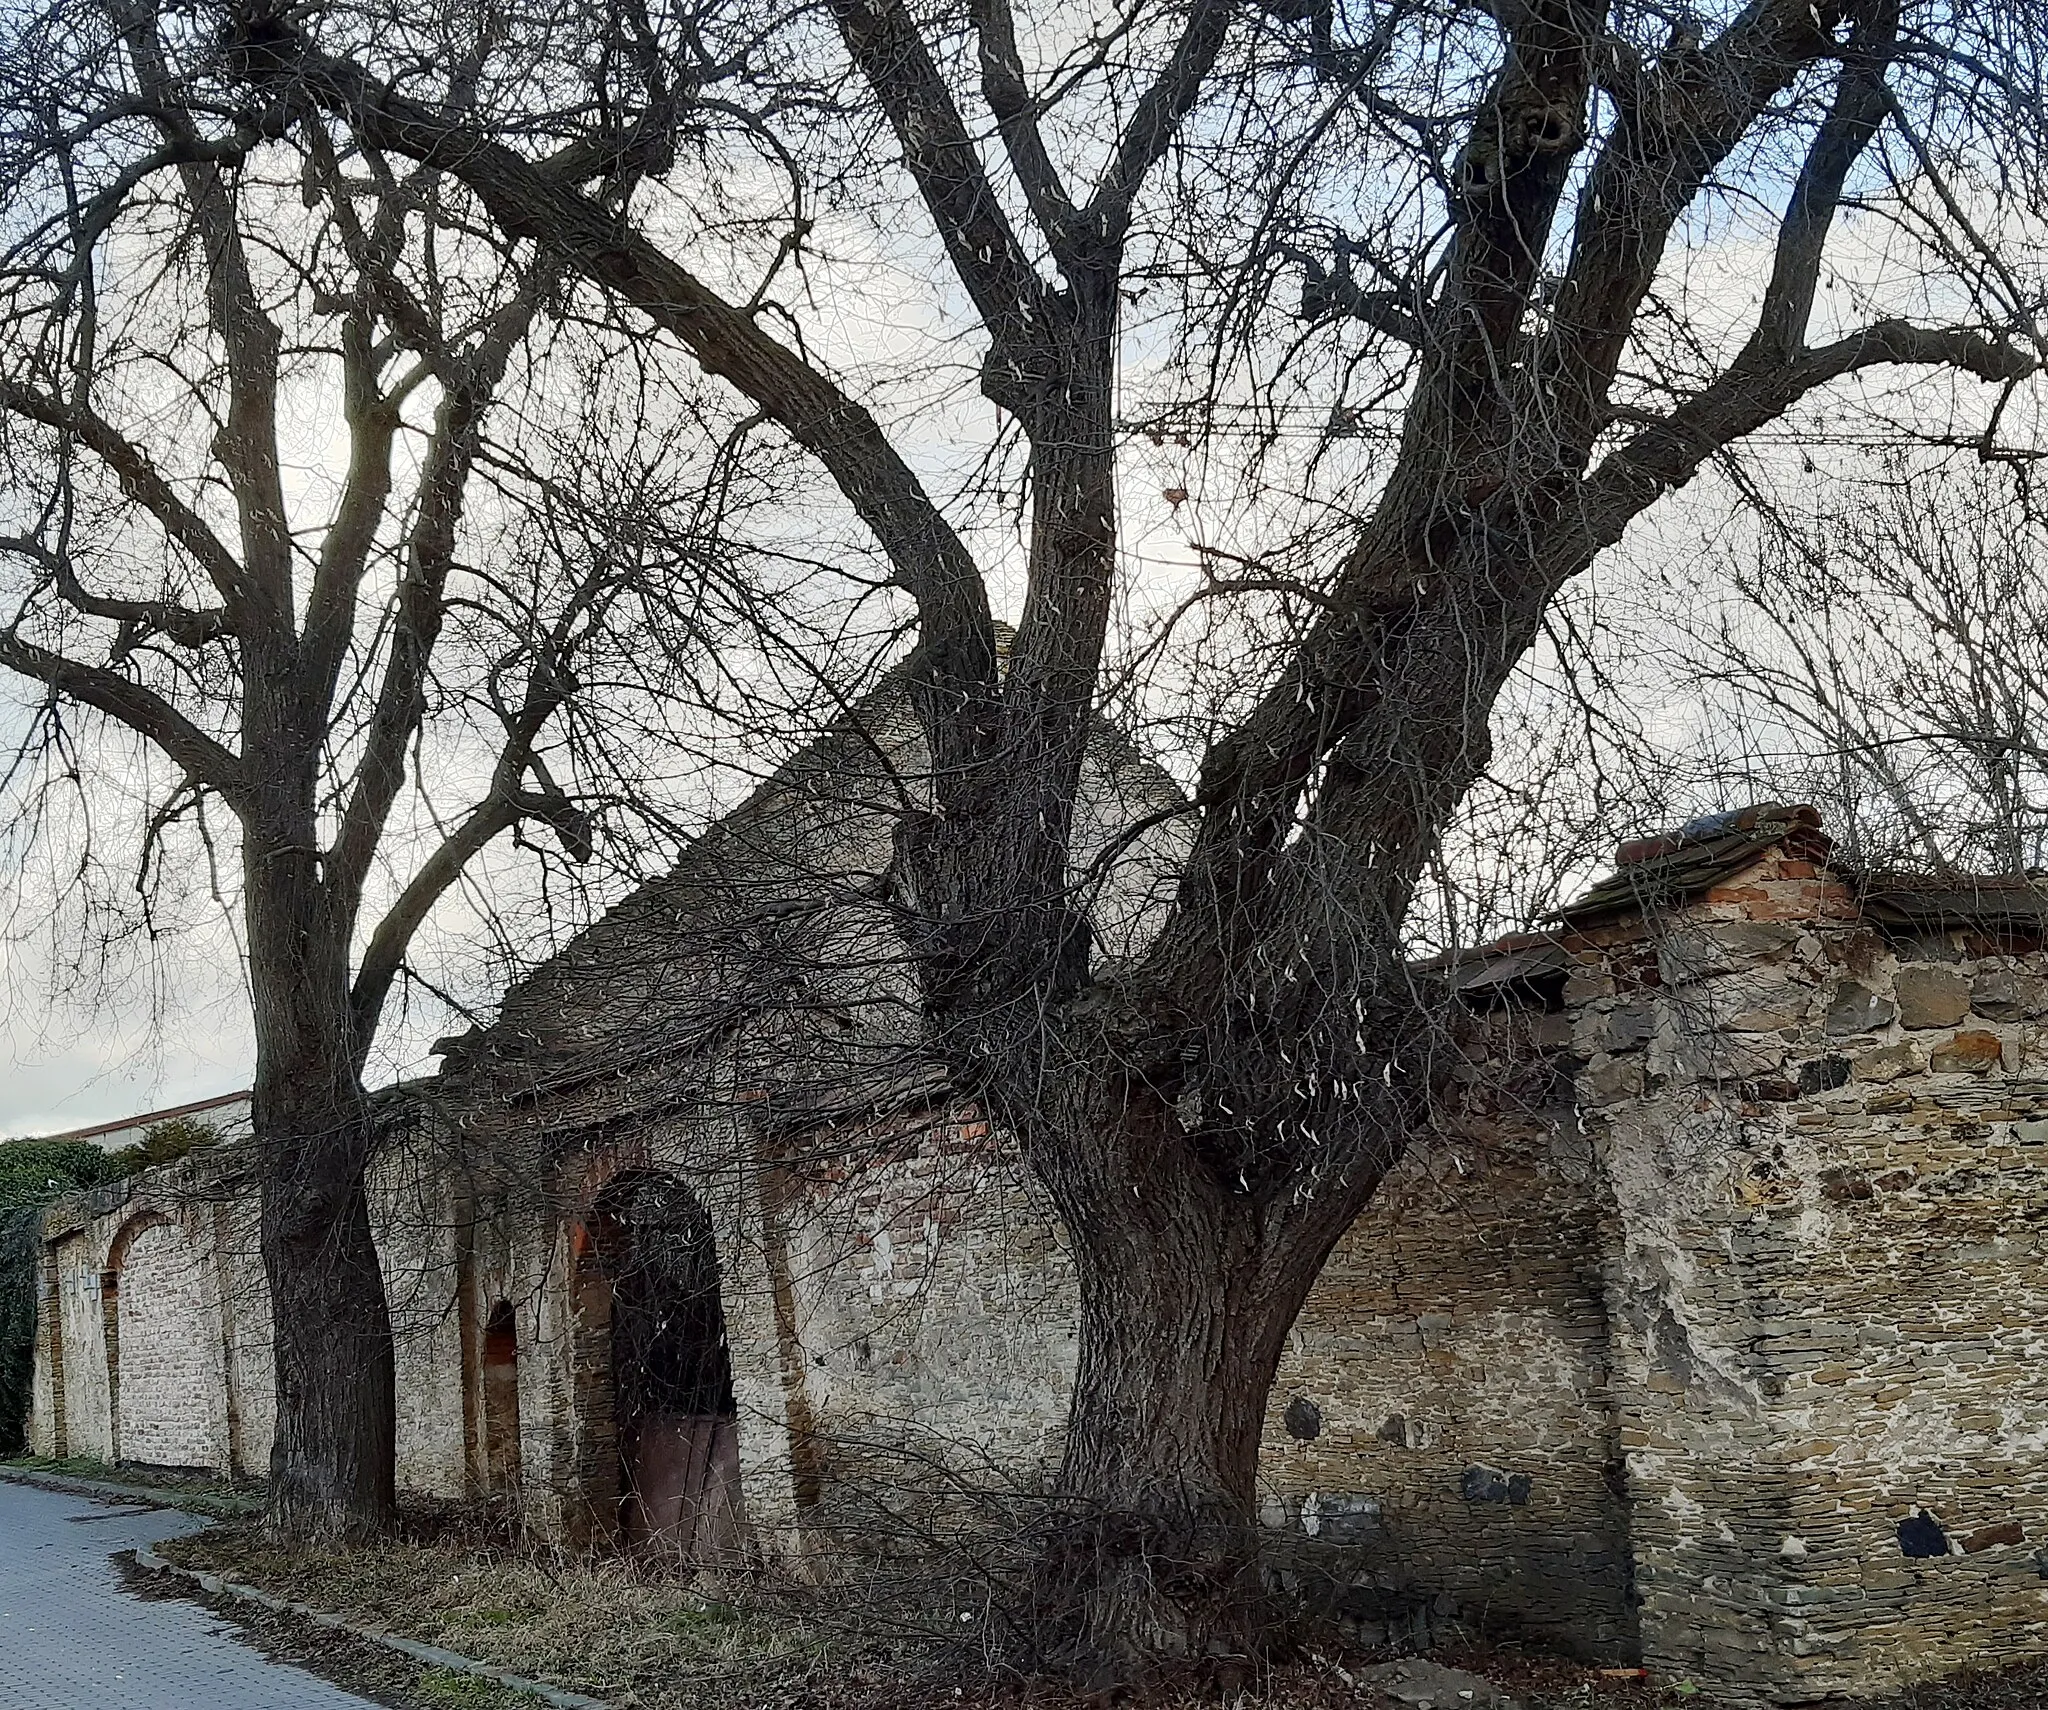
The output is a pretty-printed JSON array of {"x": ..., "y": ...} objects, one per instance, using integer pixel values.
[
  {"x": 164, "y": 1327},
  {"x": 1463, "y": 1466},
  {"x": 931, "y": 1313},
  {"x": 1828, "y": 1154},
  {"x": 88, "y": 1417}
]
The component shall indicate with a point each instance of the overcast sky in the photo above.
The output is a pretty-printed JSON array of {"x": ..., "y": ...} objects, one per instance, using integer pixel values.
[
  {"x": 148, "y": 1041},
  {"x": 167, "y": 1024}
]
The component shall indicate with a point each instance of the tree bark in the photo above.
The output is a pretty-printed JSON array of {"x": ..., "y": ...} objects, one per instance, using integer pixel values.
[
  {"x": 332, "y": 1463},
  {"x": 333, "y": 1460},
  {"x": 1153, "y": 1560},
  {"x": 1188, "y": 1285}
]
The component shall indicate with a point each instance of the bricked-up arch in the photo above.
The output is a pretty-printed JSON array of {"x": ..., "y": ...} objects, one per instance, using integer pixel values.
[
  {"x": 501, "y": 1399},
  {"x": 163, "y": 1347},
  {"x": 671, "y": 1388}
]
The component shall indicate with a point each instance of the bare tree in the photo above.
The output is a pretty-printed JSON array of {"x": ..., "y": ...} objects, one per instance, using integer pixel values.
[
  {"x": 1503, "y": 221},
  {"x": 286, "y": 499},
  {"x": 1885, "y": 659}
]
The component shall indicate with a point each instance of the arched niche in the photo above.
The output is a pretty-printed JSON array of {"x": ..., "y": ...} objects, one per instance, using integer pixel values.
[{"x": 501, "y": 1399}]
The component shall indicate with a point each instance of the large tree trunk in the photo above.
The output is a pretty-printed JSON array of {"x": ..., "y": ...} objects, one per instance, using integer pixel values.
[
  {"x": 1187, "y": 1292},
  {"x": 333, "y": 1460}
]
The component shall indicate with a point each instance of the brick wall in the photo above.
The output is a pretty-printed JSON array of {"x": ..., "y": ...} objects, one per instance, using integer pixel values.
[
  {"x": 172, "y": 1398},
  {"x": 1453, "y": 1452}
]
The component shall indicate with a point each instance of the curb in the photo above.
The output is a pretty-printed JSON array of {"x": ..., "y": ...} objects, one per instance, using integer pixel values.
[
  {"x": 141, "y": 1495},
  {"x": 433, "y": 1655}
]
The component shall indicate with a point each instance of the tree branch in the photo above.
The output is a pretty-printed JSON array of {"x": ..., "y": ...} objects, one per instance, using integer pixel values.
[
  {"x": 141, "y": 709},
  {"x": 140, "y": 479},
  {"x": 1010, "y": 99},
  {"x": 885, "y": 43},
  {"x": 182, "y": 624},
  {"x": 422, "y": 602},
  {"x": 1753, "y": 392},
  {"x": 246, "y": 447},
  {"x": 1690, "y": 111},
  {"x": 384, "y": 955},
  {"x": 1156, "y": 121},
  {"x": 956, "y": 657},
  {"x": 1861, "y": 102},
  {"x": 504, "y": 805}
]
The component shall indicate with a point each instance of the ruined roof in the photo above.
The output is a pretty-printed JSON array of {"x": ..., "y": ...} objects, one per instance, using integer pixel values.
[
  {"x": 1681, "y": 866},
  {"x": 1985, "y": 900},
  {"x": 1520, "y": 968}
]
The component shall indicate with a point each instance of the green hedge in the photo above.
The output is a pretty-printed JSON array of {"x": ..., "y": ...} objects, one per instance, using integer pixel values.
[{"x": 32, "y": 1174}]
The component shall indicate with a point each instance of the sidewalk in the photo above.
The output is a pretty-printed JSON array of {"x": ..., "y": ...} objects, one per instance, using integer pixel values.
[{"x": 72, "y": 1639}]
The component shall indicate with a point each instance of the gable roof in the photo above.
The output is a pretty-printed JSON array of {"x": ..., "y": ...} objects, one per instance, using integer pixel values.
[{"x": 771, "y": 949}]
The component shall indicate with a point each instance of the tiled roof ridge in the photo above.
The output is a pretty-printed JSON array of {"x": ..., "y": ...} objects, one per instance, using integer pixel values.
[{"x": 1672, "y": 867}]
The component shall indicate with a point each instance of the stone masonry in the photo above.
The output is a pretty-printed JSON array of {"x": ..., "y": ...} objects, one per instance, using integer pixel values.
[{"x": 1707, "y": 1330}]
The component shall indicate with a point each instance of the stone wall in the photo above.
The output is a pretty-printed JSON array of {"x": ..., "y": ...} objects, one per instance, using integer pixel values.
[
  {"x": 1443, "y": 1406},
  {"x": 1711, "y": 1328},
  {"x": 1829, "y": 1151},
  {"x": 1464, "y": 1464}
]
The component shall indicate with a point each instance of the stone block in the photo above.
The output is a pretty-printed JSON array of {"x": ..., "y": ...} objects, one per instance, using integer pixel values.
[
  {"x": 1823, "y": 1074},
  {"x": 2005, "y": 994},
  {"x": 1886, "y": 1063},
  {"x": 1612, "y": 1079},
  {"x": 1855, "y": 1008},
  {"x": 1729, "y": 1056},
  {"x": 1487, "y": 1484},
  {"x": 1932, "y": 996},
  {"x": 1416, "y": 1683},
  {"x": 1695, "y": 952},
  {"x": 1760, "y": 1004},
  {"x": 1967, "y": 1053},
  {"x": 1342, "y": 1517},
  {"x": 1585, "y": 984},
  {"x": 1629, "y": 1024}
]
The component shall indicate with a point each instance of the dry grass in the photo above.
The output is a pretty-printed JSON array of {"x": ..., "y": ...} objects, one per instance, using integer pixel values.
[
  {"x": 640, "y": 1636},
  {"x": 605, "y": 1625}
]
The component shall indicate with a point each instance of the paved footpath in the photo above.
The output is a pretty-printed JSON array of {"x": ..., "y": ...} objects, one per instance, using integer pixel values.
[{"x": 72, "y": 1639}]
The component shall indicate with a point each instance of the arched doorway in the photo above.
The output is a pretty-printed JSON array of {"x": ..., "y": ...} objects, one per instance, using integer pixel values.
[{"x": 672, "y": 1395}]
